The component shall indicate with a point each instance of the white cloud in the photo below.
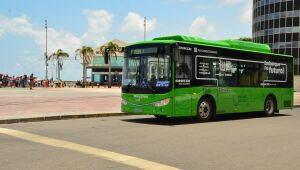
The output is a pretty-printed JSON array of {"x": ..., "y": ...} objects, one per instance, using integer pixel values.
[
  {"x": 56, "y": 38},
  {"x": 246, "y": 6},
  {"x": 134, "y": 24},
  {"x": 99, "y": 24},
  {"x": 230, "y": 2},
  {"x": 201, "y": 27},
  {"x": 200, "y": 7},
  {"x": 246, "y": 16}
]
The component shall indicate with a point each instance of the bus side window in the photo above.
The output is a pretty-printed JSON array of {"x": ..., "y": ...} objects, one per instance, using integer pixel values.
[
  {"x": 248, "y": 74},
  {"x": 229, "y": 74},
  {"x": 183, "y": 67}
]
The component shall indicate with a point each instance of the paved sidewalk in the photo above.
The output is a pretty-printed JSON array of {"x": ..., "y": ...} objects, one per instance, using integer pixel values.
[
  {"x": 58, "y": 103},
  {"x": 18, "y": 104},
  {"x": 297, "y": 99}
]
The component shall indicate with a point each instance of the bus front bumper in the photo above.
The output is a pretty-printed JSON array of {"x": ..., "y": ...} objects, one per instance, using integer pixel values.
[{"x": 156, "y": 108}]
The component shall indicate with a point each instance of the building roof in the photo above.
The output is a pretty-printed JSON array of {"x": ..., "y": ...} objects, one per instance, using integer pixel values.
[{"x": 120, "y": 43}]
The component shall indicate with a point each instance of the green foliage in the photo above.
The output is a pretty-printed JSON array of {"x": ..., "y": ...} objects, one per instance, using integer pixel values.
[
  {"x": 111, "y": 48},
  {"x": 245, "y": 39},
  {"x": 59, "y": 56},
  {"x": 86, "y": 54}
]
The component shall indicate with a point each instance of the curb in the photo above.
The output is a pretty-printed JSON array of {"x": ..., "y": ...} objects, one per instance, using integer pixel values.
[
  {"x": 65, "y": 117},
  {"x": 60, "y": 117},
  {"x": 296, "y": 106}
]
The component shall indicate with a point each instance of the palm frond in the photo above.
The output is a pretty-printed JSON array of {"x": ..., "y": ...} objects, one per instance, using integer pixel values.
[
  {"x": 111, "y": 47},
  {"x": 86, "y": 53}
]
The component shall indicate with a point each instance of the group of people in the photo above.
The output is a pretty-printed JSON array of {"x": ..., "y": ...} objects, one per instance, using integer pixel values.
[
  {"x": 17, "y": 81},
  {"x": 79, "y": 83},
  {"x": 31, "y": 81}
]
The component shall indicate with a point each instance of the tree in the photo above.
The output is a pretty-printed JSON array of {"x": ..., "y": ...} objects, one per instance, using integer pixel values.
[
  {"x": 59, "y": 56},
  {"x": 87, "y": 55},
  {"x": 108, "y": 50},
  {"x": 245, "y": 39}
]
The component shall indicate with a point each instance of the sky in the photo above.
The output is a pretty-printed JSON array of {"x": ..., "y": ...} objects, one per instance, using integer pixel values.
[{"x": 74, "y": 23}]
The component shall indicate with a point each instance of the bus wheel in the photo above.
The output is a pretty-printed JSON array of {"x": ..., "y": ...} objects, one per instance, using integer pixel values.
[
  {"x": 270, "y": 106},
  {"x": 205, "y": 110},
  {"x": 161, "y": 117}
]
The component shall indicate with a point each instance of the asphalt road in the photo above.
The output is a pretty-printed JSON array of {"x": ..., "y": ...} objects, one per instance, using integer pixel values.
[{"x": 244, "y": 141}]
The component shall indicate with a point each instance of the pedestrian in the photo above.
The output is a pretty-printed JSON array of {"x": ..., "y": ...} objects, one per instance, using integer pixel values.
[
  {"x": 31, "y": 79},
  {"x": 5, "y": 80},
  {"x": 25, "y": 81},
  {"x": 1, "y": 80},
  {"x": 20, "y": 81},
  {"x": 14, "y": 81}
]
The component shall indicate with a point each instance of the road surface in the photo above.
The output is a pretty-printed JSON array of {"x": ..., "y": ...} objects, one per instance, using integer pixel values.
[{"x": 244, "y": 141}]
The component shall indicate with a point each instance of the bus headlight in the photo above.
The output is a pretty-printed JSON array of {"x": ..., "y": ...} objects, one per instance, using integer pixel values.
[
  {"x": 161, "y": 103},
  {"x": 124, "y": 102}
]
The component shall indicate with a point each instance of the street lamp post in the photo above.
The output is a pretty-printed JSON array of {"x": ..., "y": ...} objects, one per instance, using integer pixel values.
[
  {"x": 46, "y": 52},
  {"x": 145, "y": 21}
]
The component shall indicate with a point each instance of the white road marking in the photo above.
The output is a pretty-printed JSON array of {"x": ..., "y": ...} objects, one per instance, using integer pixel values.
[{"x": 109, "y": 155}]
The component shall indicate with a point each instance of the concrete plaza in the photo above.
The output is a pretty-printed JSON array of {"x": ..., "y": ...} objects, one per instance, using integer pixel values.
[
  {"x": 19, "y": 103},
  {"x": 25, "y": 103}
]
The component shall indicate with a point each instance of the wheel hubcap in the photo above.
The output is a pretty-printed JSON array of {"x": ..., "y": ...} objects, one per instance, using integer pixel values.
[
  {"x": 204, "y": 109},
  {"x": 269, "y": 106}
]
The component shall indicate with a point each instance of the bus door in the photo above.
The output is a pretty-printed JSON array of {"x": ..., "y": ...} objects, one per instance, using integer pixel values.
[
  {"x": 183, "y": 101},
  {"x": 248, "y": 80},
  {"x": 227, "y": 81},
  {"x": 183, "y": 91}
]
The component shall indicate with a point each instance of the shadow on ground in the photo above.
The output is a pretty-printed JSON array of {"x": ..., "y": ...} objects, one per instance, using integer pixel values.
[{"x": 172, "y": 121}]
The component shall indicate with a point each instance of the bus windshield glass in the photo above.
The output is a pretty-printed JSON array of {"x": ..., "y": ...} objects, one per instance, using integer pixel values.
[{"x": 147, "y": 69}]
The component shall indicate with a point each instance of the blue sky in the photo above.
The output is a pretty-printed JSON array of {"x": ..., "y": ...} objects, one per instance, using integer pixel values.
[{"x": 73, "y": 23}]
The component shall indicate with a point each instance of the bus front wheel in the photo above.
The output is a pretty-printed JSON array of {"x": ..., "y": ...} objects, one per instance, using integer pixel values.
[
  {"x": 206, "y": 110},
  {"x": 161, "y": 117},
  {"x": 270, "y": 106}
]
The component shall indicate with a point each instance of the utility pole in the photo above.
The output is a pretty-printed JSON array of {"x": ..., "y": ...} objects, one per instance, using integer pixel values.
[
  {"x": 46, "y": 52},
  {"x": 52, "y": 68},
  {"x": 145, "y": 21}
]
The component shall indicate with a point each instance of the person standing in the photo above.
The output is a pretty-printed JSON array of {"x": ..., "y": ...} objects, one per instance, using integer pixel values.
[
  {"x": 31, "y": 79},
  {"x": 25, "y": 81},
  {"x": 1, "y": 80}
]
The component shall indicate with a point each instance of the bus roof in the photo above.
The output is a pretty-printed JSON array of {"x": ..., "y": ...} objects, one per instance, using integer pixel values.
[{"x": 230, "y": 43}]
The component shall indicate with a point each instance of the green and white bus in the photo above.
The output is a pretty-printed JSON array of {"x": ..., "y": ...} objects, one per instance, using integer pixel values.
[{"x": 190, "y": 76}]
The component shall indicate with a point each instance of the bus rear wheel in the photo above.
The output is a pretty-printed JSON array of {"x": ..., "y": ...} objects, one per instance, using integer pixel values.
[
  {"x": 206, "y": 110},
  {"x": 270, "y": 106}
]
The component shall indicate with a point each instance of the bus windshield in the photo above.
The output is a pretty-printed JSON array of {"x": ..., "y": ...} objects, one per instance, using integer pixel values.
[{"x": 147, "y": 69}]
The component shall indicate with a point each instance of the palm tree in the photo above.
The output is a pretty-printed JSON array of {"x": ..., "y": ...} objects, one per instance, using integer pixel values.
[
  {"x": 59, "y": 56},
  {"x": 108, "y": 50},
  {"x": 87, "y": 55}
]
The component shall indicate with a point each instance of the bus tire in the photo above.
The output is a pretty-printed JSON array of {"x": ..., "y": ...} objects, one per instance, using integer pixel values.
[
  {"x": 161, "y": 117},
  {"x": 270, "y": 106},
  {"x": 206, "y": 110}
]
